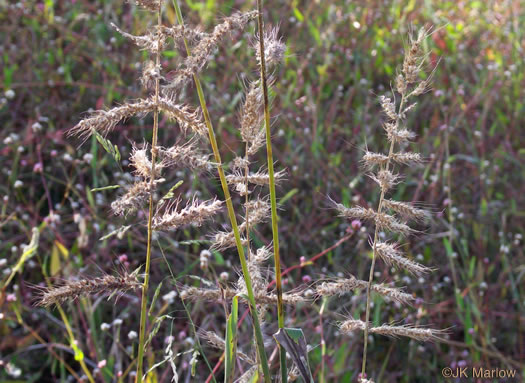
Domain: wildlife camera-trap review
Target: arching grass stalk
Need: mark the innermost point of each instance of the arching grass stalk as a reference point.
(144, 300)
(273, 199)
(231, 213)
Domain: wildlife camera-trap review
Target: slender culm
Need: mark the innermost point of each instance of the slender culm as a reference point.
(271, 172)
(390, 216)
(144, 301)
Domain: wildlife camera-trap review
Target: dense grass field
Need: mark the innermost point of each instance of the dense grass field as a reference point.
(61, 59)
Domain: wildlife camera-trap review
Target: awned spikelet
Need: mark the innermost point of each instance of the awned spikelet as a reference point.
(259, 178)
(140, 161)
(387, 222)
(407, 158)
(186, 117)
(194, 213)
(150, 74)
(392, 256)
(178, 33)
(395, 134)
(259, 211)
(274, 48)
(340, 286)
(346, 285)
(135, 198)
(186, 156)
(417, 333)
(151, 5)
(357, 212)
(103, 121)
(202, 52)
(406, 210)
(199, 294)
(72, 290)
(385, 179)
(217, 342)
(393, 294)
(152, 42)
(372, 159)
(251, 115)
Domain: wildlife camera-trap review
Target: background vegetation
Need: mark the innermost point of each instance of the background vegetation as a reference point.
(61, 58)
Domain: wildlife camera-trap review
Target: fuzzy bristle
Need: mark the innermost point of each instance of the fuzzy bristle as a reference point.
(274, 48)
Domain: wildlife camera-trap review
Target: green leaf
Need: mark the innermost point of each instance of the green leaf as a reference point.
(105, 188)
(170, 194)
(155, 297)
(294, 342)
(231, 342)
(107, 145)
(156, 328)
(29, 252)
(288, 195)
(118, 232)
